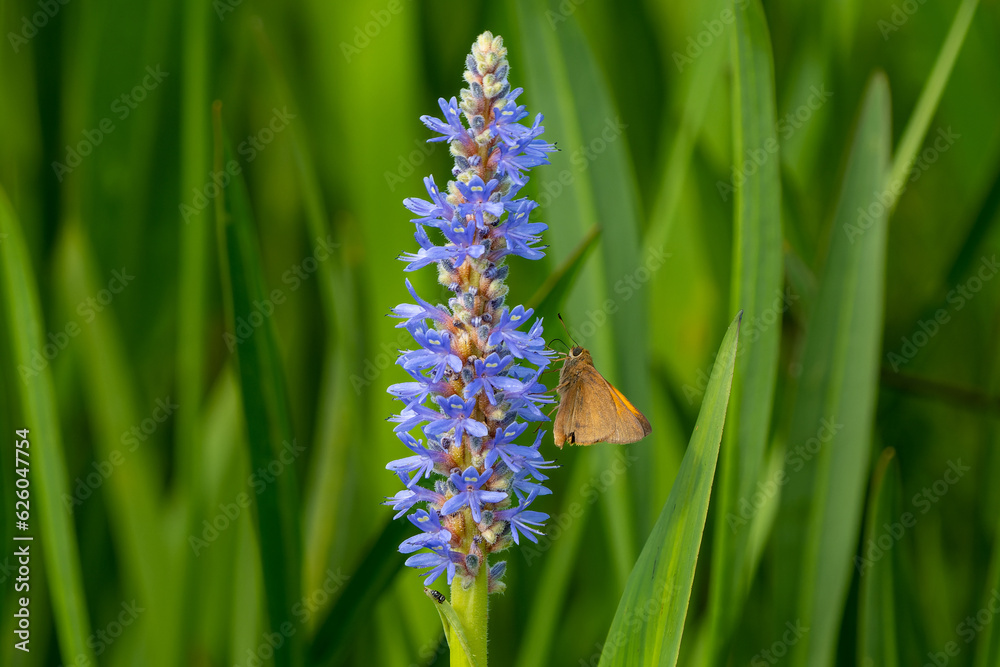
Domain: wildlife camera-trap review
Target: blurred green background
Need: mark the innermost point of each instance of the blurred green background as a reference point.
(122, 298)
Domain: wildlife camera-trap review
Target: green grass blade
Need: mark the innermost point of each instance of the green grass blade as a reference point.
(577, 115)
(557, 558)
(920, 119)
(371, 221)
(337, 414)
(329, 470)
(988, 642)
(649, 623)
(195, 236)
(549, 298)
(317, 217)
(378, 567)
(987, 650)
(756, 289)
(611, 180)
(877, 603)
(133, 494)
(571, 211)
(221, 477)
(265, 401)
(699, 82)
(822, 500)
(48, 472)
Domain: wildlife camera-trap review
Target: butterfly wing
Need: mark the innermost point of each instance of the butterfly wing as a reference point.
(630, 425)
(591, 411)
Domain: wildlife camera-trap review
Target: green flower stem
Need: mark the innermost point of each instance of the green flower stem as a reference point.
(471, 607)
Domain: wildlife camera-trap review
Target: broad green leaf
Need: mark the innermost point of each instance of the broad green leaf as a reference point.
(756, 289)
(54, 529)
(820, 517)
(877, 601)
(649, 623)
(265, 402)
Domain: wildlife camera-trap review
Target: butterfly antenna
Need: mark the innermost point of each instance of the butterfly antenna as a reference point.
(561, 341)
(559, 315)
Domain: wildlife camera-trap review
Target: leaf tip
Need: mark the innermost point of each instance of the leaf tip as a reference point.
(435, 595)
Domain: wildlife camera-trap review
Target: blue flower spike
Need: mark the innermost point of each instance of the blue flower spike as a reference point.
(476, 363)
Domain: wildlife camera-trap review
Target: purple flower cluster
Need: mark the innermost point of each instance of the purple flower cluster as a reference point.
(478, 362)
